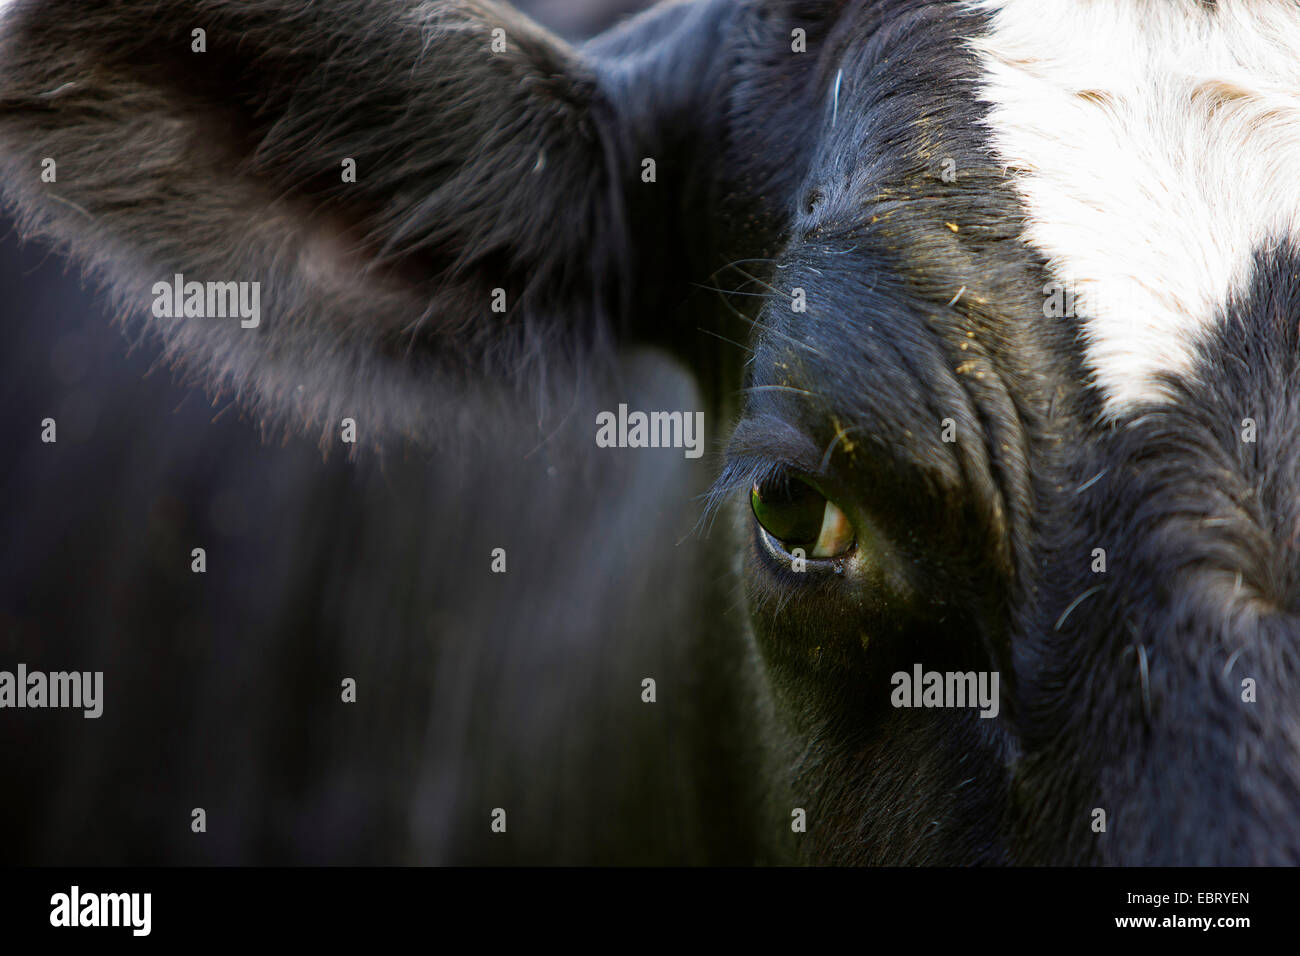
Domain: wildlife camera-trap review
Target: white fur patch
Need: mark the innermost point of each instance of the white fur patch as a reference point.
(1156, 146)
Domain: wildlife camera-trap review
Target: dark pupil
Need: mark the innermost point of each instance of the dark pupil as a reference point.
(790, 511)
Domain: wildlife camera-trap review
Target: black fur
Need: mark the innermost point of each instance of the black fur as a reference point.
(776, 170)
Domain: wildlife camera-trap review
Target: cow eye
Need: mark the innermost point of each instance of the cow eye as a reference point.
(797, 515)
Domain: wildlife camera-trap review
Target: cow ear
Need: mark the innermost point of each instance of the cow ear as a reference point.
(405, 195)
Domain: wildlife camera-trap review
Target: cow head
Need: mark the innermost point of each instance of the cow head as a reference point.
(1007, 331)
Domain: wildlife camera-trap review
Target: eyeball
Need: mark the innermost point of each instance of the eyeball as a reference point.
(797, 515)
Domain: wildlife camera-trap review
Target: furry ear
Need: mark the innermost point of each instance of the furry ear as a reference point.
(409, 195)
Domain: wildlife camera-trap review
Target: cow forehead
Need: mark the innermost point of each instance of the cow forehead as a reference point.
(1155, 148)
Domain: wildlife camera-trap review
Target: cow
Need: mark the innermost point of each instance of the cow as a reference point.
(989, 311)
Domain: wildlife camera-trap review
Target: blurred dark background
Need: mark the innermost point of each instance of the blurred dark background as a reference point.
(222, 690)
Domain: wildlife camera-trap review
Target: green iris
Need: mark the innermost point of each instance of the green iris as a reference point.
(792, 511)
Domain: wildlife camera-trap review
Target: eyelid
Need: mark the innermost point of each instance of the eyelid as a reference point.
(777, 552)
(781, 558)
(742, 474)
(774, 440)
(763, 448)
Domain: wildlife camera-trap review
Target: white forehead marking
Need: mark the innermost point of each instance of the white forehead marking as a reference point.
(1156, 146)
